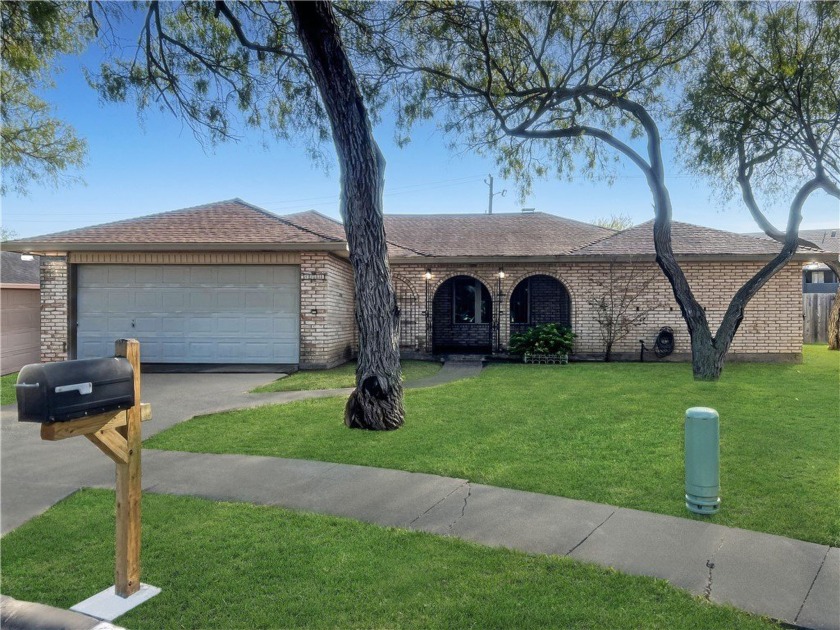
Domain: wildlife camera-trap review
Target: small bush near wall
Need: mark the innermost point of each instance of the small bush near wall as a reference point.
(543, 339)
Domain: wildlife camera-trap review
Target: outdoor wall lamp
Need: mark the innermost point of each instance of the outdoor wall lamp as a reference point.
(428, 274)
(501, 273)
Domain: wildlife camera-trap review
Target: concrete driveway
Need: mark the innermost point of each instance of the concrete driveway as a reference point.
(35, 474)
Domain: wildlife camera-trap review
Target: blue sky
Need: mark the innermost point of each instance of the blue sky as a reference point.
(141, 164)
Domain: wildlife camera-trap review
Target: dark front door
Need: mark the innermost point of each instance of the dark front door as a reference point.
(462, 312)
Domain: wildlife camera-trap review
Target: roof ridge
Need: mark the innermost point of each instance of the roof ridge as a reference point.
(411, 249)
(605, 238)
(341, 223)
(285, 221)
(146, 217)
(131, 219)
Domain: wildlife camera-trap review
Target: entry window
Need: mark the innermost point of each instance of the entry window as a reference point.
(519, 303)
(470, 302)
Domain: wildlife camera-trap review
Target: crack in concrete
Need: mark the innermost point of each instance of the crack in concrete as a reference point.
(814, 581)
(592, 532)
(707, 592)
(463, 508)
(710, 565)
(437, 503)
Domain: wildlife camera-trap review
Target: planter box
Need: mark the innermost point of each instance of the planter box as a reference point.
(555, 359)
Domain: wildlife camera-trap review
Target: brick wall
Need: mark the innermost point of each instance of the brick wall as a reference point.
(772, 325)
(53, 308)
(327, 319)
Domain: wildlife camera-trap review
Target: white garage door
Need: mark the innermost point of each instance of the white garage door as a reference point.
(191, 313)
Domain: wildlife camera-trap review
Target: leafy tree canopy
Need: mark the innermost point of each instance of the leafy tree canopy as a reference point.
(763, 109)
(219, 67)
(34, 145)
(505, 74)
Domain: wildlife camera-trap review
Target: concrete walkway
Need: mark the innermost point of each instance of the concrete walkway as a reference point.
(451, 371)
(790, 580)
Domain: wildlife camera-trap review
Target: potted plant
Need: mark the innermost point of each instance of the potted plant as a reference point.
(546, 343)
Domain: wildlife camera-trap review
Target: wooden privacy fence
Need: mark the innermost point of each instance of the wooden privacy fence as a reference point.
(815, 310)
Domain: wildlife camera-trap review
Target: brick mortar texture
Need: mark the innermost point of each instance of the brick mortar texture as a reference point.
(54, 324)
(328, 334)
(772, 322)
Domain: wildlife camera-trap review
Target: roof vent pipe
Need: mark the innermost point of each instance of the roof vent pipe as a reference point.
(530, 210)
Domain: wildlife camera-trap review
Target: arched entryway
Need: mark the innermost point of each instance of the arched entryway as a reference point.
(462, 316)
(539, 299)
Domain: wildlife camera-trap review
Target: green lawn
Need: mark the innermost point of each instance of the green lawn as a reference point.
(229, 565)
(610, 433)
(7, 389)
(342, 376)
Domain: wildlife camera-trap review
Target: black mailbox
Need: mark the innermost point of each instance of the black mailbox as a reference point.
(66, 390)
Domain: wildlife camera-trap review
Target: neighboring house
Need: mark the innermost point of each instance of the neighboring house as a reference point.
(229, 283)
(20, 311)
(817, 277)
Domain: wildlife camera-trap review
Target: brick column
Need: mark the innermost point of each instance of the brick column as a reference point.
(53, 308)
(327, 322)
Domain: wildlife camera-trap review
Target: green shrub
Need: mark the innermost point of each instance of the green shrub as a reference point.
(543, 339)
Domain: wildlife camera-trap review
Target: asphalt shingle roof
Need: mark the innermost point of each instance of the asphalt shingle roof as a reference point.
(686, 239)
(477, 235)
(14, 270)
(534, 234)
(827, 239)
(232, 221)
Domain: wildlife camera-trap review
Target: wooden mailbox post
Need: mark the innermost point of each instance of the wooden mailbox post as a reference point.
(117, 434)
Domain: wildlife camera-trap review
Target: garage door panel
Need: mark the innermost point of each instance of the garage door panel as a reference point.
(258, 299)
(229, 299)
(88, 348)
(229, 351)
(203, 276)
(200, 301)
(171, 324)
(285, 326)
(118, 325)
(230, 276)
(175, 274)
(173, 350)
(258, 276)
(258, 326)
(147, 301)
(120, 275)
(93, 323)
(285, 303)
(173, 300)
(146, 325)
(148, 274)
(191, 313)
(227, 325)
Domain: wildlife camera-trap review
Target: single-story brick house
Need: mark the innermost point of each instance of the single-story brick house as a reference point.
(230, 283)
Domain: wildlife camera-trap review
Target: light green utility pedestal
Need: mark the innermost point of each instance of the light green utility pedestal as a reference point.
(702, 460)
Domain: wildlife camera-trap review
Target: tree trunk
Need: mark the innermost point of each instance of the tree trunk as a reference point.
(608, 353)
(834, 323)
(707, 361)
(834, 314)
(377, 401)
